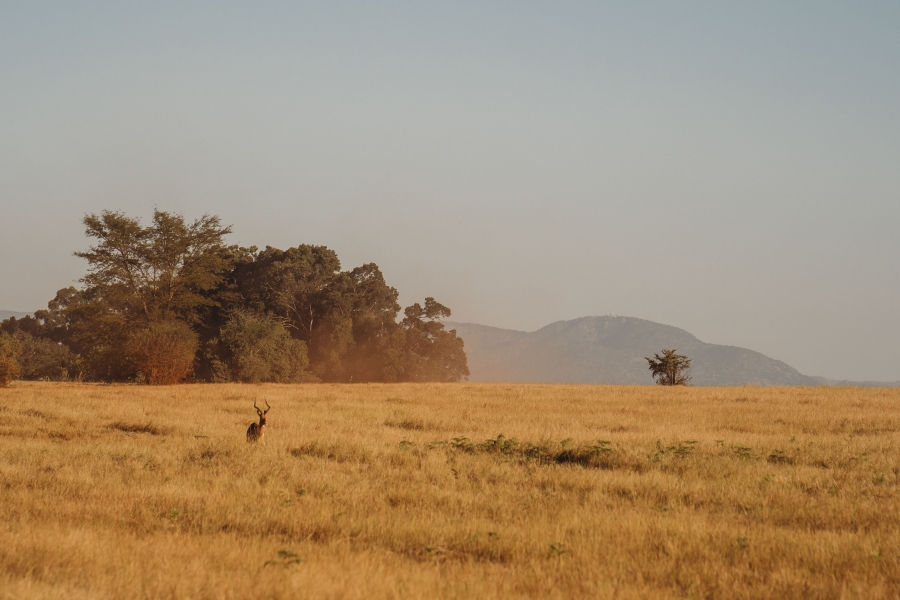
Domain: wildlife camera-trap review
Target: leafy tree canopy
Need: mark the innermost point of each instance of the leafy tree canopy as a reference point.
(156, 272)
(421, 350)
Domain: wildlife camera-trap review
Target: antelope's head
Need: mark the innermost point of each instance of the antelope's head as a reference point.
(262, 413)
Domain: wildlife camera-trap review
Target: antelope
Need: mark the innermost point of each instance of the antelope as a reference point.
(257, 431)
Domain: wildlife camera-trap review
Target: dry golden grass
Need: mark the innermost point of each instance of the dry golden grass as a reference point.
(390, 491)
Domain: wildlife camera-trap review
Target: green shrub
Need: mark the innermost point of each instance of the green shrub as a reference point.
(261, 349)
(164, 352)
(44, 359)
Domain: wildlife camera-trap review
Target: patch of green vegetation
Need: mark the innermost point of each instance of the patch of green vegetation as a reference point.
(587, 455)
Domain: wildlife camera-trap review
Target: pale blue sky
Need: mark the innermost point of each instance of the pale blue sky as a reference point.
(731, 169)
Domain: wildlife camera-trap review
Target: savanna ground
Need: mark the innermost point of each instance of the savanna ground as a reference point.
(409, 491)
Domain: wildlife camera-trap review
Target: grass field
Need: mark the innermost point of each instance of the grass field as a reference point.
(449, 491)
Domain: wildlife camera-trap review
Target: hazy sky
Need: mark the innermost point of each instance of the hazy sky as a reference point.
(732, 169)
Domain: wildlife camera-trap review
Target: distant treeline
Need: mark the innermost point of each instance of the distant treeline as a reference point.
(172, 302)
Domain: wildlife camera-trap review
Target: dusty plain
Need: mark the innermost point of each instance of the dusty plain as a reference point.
(449, 491)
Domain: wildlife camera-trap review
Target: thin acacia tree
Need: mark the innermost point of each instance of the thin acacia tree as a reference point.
(160, 272)
(145, 290)
(670, 368)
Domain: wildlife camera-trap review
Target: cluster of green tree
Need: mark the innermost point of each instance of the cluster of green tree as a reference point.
(171, 301)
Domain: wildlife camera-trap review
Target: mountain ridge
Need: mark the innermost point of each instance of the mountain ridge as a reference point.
(611, 349)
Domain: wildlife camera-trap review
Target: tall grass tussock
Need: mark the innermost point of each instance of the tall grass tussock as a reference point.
(449, 491)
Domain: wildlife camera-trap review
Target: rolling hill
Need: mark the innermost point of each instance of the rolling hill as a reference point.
(611, 350)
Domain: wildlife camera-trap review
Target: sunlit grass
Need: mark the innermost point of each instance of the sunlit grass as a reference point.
(475, 491)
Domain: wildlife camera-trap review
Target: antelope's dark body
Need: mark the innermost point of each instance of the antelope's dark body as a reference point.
(257, 431)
